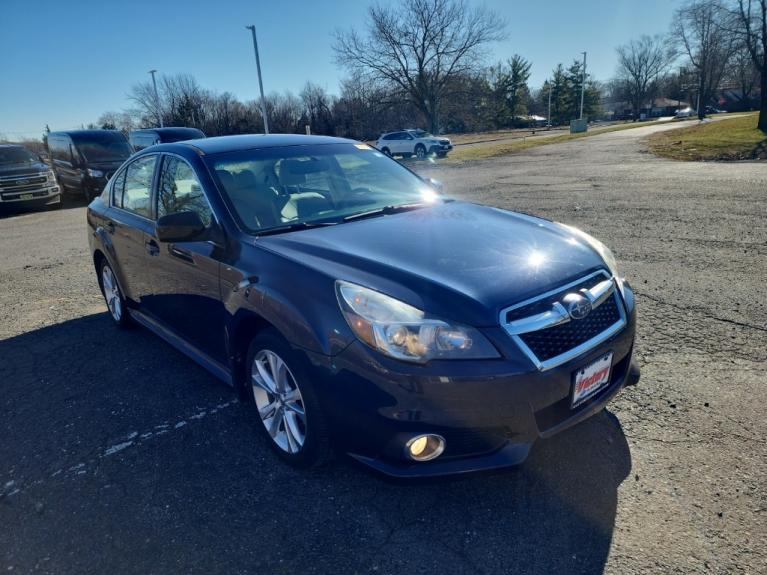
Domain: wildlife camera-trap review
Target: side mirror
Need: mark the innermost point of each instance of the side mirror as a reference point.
(436, 184)
(179, 227)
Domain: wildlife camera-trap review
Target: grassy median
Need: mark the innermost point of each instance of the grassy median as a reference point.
(729, 139)
(493, 149)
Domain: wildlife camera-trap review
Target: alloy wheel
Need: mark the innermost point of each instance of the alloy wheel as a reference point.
(111, 293)
(420, 152)
(279, 402)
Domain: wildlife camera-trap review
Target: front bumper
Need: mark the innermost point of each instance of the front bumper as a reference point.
(43, 196)
(441, 149)
(490, 412)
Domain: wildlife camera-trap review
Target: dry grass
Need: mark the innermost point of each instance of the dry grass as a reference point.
(494, 149)
(730, 139)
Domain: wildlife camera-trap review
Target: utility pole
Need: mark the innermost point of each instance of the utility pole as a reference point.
(583, 83)
(156, 98)
(260, 83)
(549, 116)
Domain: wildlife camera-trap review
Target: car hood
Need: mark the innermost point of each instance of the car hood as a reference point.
(22, 169)
(455, 260)
(110, 166)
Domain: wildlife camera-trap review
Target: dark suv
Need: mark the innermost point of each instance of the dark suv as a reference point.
(141, 139)
(85, 159)
(356, 307)
(25, 180)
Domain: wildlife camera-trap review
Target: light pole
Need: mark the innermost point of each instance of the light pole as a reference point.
(156, 98)
(549, 116)
(583, 83)
(260, 83)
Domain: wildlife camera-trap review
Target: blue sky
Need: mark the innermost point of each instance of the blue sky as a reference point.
(66, 62)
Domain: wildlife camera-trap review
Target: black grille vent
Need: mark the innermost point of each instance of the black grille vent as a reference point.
(554, 341)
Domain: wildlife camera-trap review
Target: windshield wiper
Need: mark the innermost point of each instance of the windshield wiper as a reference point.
(385, 210)
(293, 227)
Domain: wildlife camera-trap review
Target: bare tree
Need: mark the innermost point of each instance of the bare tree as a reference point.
(752, 16)
(701, 28)
(420, 45)
(641, 63)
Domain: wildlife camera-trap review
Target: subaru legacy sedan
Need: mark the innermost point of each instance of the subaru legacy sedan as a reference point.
(356, 307)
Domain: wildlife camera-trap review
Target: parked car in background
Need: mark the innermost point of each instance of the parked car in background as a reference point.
(685, 113)
(713, 110)
(417, 143)
(84, 160)
(141, 139)
(357, 308)
(25, 180)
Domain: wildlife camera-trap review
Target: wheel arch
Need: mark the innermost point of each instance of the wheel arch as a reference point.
(242, 330)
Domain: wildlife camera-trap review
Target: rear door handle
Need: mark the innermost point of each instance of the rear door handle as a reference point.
(152, 248)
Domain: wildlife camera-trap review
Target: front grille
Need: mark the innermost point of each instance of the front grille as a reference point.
(554, 341)
(19, 184)
(545, 303)
(549, 337)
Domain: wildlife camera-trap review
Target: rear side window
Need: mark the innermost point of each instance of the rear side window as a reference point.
(180, 190)
(117, 190)
(137, 191)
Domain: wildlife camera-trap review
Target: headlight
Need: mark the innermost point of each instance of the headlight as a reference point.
(401, 331)
(51, 176)
(95, 173)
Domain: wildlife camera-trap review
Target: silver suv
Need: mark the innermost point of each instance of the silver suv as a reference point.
(413, 142)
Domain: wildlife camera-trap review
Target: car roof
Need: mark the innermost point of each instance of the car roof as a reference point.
(223, 144)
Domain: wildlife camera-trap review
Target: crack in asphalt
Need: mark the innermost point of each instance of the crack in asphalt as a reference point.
(700, 311)
(131, 439)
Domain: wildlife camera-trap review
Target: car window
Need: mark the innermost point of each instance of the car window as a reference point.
(271, 187)
(117, 189)
(180, 190)
(137, 192)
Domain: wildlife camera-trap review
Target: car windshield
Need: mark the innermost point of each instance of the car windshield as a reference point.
(16, 156)
(104, 149)
(276, 187)
(421, 134)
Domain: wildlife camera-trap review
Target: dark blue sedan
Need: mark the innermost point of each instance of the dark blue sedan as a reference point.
(359, 309)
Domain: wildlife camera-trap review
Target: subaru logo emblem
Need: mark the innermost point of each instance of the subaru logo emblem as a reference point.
(577, 306)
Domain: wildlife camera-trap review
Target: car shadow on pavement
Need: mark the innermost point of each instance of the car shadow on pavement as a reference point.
(121, 455)
(68, 201)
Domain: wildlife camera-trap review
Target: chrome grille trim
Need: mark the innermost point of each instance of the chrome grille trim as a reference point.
(557, 315)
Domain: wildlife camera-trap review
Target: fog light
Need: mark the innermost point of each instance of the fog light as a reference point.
(425, 447)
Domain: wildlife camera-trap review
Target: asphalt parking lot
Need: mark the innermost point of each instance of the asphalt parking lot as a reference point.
(119, 455)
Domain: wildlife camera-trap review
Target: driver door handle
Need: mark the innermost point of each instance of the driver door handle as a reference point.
(152, 248)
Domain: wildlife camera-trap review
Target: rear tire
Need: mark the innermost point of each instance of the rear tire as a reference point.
(420, 151)
(386, 151)
(287, 408)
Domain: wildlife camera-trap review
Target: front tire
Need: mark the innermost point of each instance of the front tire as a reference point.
(286, 404)
(420, 152)
(113, 295)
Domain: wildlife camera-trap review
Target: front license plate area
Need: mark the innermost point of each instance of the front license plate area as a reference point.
(27, 196)
(590, 379)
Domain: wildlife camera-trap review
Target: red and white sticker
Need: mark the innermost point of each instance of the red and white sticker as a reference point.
(590, 379)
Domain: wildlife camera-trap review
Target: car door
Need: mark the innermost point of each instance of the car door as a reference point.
(61, 150)
(129, 218)
(405, 143)
(185, 275)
